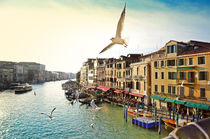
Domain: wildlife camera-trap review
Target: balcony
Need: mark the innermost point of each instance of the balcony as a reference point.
(140, 77)
(202, 98)
(186, 82)
(185, 67)
(128, 77)
(127, 89)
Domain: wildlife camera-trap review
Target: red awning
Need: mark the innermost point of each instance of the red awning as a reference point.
(125, 92)
(118, 91)
(137, 95)
(103, 88)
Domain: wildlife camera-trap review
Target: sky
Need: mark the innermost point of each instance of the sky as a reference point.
(62, 34)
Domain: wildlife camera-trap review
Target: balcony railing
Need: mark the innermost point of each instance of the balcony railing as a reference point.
(140, 77)
(128, 76)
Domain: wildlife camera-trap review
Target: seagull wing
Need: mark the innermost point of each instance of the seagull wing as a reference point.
(106, 48)
(45, 114)
(120, 23)
(52, 111)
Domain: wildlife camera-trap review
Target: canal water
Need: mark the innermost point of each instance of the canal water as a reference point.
(20, 117)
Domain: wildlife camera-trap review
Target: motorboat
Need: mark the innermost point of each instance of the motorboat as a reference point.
(23, 88)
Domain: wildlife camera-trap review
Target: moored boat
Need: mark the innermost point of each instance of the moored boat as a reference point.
(23, 88)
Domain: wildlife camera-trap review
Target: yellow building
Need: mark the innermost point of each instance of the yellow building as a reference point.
(180, 76)
(141, 77)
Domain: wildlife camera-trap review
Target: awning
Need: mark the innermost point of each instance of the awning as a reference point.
(191, 104)
(204, 106)
(169, 100)
(180, 102)
(92, 87)
(185, 68)
(157, 97)
(198, 105)
(137, 95)
(125, 92)
(118, 91)
(103, 88)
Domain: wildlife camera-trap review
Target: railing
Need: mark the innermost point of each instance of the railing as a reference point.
(128, 76)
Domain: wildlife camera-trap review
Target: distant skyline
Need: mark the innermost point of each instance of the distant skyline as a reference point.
(62, 34)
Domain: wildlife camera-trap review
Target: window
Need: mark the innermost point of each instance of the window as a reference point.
(202, 92)
(162, 89)
(201, 60)
(162, 63)
(182, 91)
(162, 75)
(203, 75)
(171, 49)
(182, 75)
(145, 70)
(191, 91)
(169, 89)
(137, 69)
(190, 61)
(156, 88)
(191, 76)
(156, 75)
(172, 75)
(181, 62)
(172, 90)
(171, 62)
(156, 64)
(137, 86)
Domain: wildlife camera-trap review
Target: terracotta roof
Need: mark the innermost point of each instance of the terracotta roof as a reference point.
(195, 47)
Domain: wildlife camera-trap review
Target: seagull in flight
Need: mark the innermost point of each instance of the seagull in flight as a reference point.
(118, 39)
(50, 116)
(92, 125)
